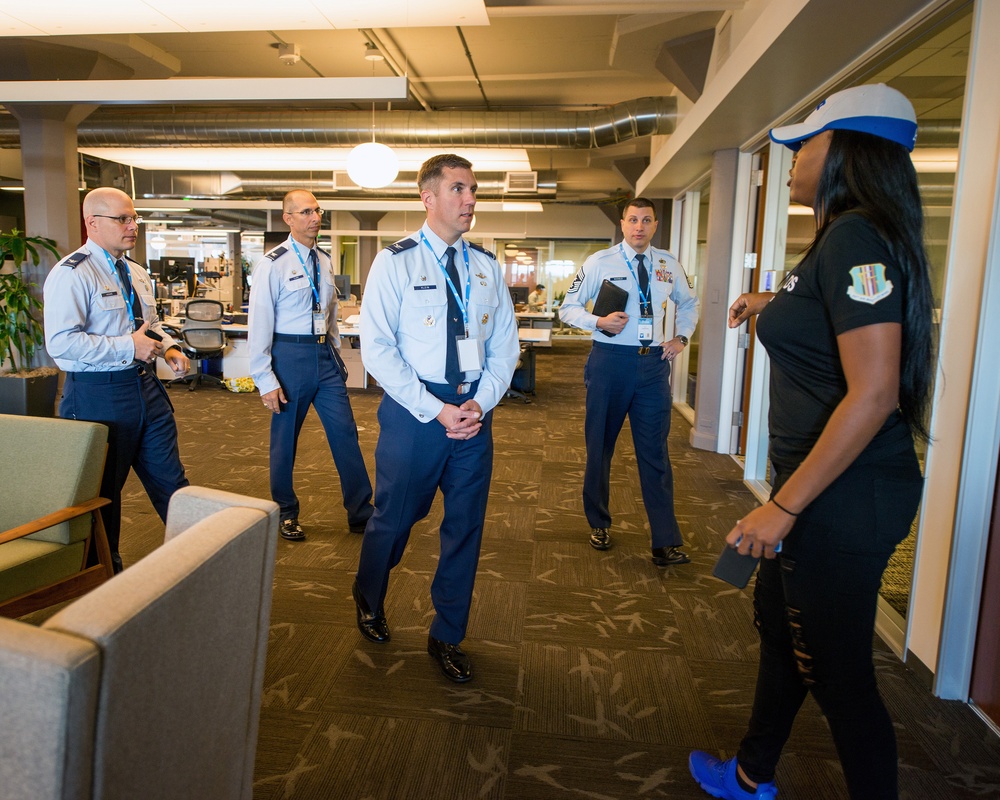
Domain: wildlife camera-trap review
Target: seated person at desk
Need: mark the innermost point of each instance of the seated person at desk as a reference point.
(295, 363)
(536, 300)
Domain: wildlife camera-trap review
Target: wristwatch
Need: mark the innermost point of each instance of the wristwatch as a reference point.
(682, 339)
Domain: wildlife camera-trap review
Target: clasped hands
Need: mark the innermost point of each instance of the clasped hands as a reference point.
(461, 422)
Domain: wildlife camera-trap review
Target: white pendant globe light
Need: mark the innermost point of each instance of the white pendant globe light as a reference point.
(372, 165)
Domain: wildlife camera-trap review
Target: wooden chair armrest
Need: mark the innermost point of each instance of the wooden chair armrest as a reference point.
(62, 515)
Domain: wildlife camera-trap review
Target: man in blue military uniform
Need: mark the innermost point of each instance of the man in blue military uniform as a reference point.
(438, 333)
(295, 363)
(628, 373)
(101, 328)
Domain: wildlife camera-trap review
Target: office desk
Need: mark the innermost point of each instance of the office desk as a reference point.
(536, 337)
(534, 319)
(236, 356)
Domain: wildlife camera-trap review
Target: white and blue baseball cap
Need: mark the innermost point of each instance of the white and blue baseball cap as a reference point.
(876, 109)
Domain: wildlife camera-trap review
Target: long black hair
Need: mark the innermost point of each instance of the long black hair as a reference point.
(874, 177)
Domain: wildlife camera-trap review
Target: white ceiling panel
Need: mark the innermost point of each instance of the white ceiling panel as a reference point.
(62, 17)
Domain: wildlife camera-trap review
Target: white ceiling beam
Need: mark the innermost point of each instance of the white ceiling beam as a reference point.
(579, 8)
(203, 90)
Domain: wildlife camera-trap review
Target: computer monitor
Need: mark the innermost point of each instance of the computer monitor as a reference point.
(519, 294)
(179, 269)
(356, 290)
(343, 284)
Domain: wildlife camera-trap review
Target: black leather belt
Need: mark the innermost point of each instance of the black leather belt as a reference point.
(301, 338)
(119, 375)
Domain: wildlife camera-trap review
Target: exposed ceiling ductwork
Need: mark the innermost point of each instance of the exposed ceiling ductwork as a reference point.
(252, 185)
(114, 127)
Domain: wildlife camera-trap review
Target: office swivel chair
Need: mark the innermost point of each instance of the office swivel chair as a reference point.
(202, 338)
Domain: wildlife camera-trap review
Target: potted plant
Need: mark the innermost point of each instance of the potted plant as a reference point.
(23, 389)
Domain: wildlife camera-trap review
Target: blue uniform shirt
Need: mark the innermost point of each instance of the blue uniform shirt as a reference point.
(87, 324)
(281, 301)
(404, 325)
(666, 281)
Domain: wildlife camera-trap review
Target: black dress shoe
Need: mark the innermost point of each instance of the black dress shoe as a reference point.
(600, 539)
(357, 527)
(372, 626)
(291, 530)
(454, 663)
(669, 556)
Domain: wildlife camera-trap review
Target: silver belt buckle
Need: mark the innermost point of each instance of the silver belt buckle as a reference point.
(643, 351)
(464, 388)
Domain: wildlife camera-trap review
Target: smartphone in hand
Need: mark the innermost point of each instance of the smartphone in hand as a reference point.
(734, 568)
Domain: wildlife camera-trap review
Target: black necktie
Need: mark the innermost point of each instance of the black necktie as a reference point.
(314, 260)
(456, 327)
(126, 280)
(643, 284)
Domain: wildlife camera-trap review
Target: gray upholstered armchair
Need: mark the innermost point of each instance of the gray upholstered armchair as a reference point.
(148, 687)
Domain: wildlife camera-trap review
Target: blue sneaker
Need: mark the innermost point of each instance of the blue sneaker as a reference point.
(718, 778)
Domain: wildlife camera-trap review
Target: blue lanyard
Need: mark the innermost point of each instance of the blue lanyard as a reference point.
(451, 286)
(121, 287)
(308, 272)
(643, 299)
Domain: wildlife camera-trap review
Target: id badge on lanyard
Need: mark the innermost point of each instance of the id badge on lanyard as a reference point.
(646, 330)
(319, 321)
(471, 353)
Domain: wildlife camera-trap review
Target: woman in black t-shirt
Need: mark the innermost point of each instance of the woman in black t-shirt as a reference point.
(849, 338)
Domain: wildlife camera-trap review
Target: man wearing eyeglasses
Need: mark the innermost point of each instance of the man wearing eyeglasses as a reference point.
(101, 327)
(295, 363)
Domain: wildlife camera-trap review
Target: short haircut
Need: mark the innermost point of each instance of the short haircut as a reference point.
(639, 202)
(432, 169)
(289, 199)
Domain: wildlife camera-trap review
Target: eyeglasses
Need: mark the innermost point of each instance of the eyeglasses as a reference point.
(308, 212)
(122, 219)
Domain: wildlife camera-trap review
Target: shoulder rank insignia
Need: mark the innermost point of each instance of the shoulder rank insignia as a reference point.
(74, 260)
(482, 249)
(401, 246)
(276, 253)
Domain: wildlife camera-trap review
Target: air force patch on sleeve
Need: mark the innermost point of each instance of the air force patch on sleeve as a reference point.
(869, 284)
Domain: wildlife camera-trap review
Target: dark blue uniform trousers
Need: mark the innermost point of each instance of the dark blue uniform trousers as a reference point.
(309, 377)
(619, 381)
(142, 435)
(413, 459)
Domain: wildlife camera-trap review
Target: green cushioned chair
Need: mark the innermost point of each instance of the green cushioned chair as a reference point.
(50, 479)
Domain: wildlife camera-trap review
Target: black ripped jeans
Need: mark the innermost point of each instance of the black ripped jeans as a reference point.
(815, 608)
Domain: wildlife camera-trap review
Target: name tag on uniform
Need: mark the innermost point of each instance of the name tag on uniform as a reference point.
(108, 294)
(646, 331)
(471, 354)
(319, 323)
(422, 288)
